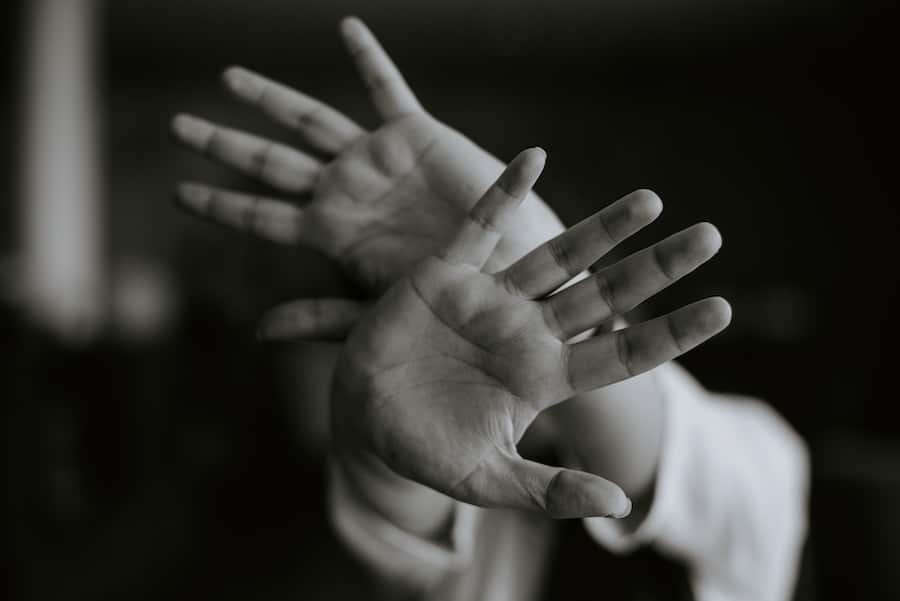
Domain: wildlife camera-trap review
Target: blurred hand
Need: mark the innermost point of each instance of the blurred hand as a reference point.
(441, 378)
(381, 201)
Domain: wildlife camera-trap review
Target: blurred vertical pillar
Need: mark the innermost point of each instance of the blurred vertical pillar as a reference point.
(62, 216)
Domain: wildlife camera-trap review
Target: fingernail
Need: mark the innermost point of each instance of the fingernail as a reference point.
(625, 511)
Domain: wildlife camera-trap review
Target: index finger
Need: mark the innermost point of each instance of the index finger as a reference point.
(481, 229)
(390, 93)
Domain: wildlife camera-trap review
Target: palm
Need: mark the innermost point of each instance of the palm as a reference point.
(384, 200)
(375, 207)
(442, 377)
(482, 364)
(393, 197)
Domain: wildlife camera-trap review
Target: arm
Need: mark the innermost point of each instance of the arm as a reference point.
(447, 171)
(440, 380)
(729, 495)
(732, 507)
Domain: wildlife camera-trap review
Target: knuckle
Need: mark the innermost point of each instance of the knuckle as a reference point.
(663, 261)
(606, 291)
(508, 279)
(308, 118)
(551, 317)
(483, 221)
(561, 256)
(552, 496)
(675, 334)
(625, 352)
(260, 159)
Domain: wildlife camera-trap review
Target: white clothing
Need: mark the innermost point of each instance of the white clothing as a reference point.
(729, 502)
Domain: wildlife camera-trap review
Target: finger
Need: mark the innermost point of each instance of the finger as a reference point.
(270, 219)
(618, 355)
(621, 287)
(390, 93)
(555, 262)
(275, 164)
(482, 227)
(311, 318)
(324, 128)
(510, 481)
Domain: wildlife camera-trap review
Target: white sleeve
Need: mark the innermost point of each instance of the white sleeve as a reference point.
(397, 558)
(730, 496)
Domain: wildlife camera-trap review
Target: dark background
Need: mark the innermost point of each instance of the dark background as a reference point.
(187, 464)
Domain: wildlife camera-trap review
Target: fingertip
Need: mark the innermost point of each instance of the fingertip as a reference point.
(577, 494)
(537, 156)
(620, 505)
(709, 236)
(626, 510)
(531, 163)
(351, 25)
(190, 194)
(714, 315)
(722, 308)
(187, 127)
(357, 37)
(646, 205)
(701, 241)
(234, 76)
(232, 70)
(179, 123)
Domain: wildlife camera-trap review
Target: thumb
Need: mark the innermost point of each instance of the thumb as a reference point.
(565, 493)
(511, 481)
(311, 318)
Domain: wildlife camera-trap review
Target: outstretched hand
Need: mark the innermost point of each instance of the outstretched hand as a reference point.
(381, 200)
(442, 377)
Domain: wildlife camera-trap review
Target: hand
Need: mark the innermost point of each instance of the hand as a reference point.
(440, 380)
(381, 201)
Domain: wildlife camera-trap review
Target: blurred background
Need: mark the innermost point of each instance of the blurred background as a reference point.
(155, 450)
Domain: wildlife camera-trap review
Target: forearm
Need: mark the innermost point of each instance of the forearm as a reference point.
(727, 495)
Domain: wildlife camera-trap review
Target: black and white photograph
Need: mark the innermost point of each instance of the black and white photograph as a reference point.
(456, 300)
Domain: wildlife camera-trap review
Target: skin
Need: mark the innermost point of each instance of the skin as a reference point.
(443, 376)
(385, 198)
(383, 201)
